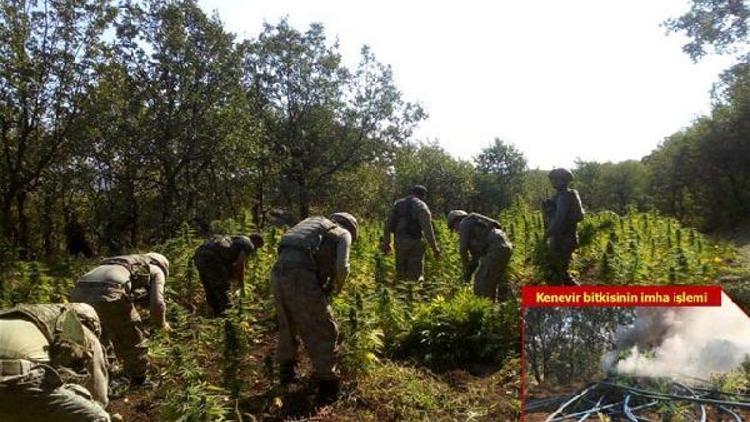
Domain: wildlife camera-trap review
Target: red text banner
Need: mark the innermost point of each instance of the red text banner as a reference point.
(651, 296)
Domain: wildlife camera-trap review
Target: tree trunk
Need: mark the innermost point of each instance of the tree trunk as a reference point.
(23, 226)
(304, 199)
(48, 225)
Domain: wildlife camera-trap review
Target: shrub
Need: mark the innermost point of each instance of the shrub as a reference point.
(462, 331)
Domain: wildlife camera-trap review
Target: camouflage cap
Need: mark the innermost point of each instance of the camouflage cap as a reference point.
(561, 173)
(347, 221)
(455, 217)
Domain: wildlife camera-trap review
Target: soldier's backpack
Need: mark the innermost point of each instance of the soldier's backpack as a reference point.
(404, 221)
(483, 220)
(63, 330)
(221, 247)
(310, 236)
(138, 267)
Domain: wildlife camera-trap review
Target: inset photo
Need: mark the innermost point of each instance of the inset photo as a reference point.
(637, 364)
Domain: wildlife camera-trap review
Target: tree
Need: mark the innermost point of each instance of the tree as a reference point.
(195, 124)
(501, 169)
(320, 117)
(49, 51)
(612, 186)
(718, 25)
(450, 181)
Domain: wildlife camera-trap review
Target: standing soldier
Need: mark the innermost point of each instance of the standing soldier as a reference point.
(409, 220)
(562, 213)
(219, 260)
(490, 250)
(52, 366)
(313, 263)
(112, 288)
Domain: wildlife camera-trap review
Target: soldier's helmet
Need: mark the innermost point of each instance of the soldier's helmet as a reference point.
(455, 217)
(347, 221)
(160, 261)
(562, 174)
(418, 190)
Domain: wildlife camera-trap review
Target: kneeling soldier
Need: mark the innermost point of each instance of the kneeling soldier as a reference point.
(313, 262)
(112, 288)
(221, 259)
(490, 252)
(52, 366)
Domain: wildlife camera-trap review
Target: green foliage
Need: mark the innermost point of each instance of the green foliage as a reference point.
(501, 169)
(459, 332)
(713, 26)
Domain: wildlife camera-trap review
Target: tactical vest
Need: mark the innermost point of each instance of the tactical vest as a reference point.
(312, 236)
(222, 247)
(308, 235)
(480, 228)
(404, 222)
(137, 265)
(63, 330)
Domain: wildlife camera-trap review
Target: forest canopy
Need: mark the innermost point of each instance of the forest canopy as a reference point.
(128, 121)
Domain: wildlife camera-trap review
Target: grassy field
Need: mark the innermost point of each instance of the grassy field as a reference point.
(409, 351)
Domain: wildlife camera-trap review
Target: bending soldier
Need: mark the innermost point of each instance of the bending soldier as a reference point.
(484, 248)
(221, 259)
(410, 220)
(52, 366)
(562, 213)
(112, 288)
(313, 262)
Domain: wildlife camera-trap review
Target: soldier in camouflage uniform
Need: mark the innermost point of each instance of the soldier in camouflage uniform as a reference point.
(562, 213)
(221, 259)
(313, 263)
(112, 288)
(483, 247)
(410, 220)
(52, 366)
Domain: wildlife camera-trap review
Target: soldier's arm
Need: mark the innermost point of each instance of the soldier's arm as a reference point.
(342, 262)
(238, 268)
(562, 207)
(467, 262)
(157, 306)
(425, 222)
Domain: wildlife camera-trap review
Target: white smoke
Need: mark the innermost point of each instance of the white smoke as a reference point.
(679, 342)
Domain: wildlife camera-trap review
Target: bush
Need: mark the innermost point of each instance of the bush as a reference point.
(465, 330)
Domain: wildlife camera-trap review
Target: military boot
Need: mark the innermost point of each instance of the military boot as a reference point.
(288, 374)
(328, 391)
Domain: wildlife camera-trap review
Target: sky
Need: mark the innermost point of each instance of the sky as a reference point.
(560, 80)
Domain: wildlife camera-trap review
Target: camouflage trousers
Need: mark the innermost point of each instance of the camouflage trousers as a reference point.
(120, 323)
(489, 280)
(409, 258)
(302, 309)
(41, 396)
(561, 252)
(216, 279)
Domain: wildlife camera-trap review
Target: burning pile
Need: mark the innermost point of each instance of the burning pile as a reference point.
(681, 342)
